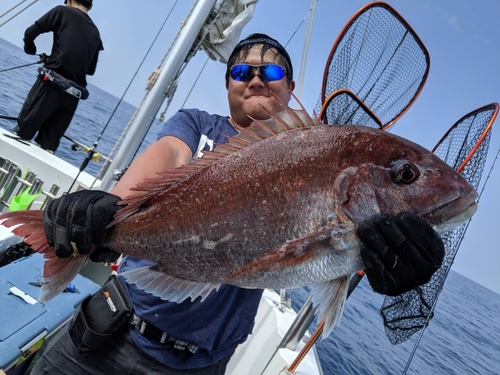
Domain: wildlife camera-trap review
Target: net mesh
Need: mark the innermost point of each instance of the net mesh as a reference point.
(381, 61)
(345, 108)
(407, 313)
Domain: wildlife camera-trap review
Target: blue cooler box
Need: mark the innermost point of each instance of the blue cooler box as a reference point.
(24, 321)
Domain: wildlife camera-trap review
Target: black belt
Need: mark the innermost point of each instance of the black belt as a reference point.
(152, 332)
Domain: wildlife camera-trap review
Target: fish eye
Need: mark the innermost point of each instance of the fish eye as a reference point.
(407, 173)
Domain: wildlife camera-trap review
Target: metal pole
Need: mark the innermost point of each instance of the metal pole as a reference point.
(156, 96)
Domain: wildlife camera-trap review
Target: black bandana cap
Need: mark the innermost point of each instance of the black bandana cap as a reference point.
(263, 39)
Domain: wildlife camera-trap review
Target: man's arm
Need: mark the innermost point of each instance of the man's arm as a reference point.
(167, 152)
(93, 66)
(81, 218)
(30, 35)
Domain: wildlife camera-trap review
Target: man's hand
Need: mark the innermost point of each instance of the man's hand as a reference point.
(400, 253)
(29, 47)
(75, 222)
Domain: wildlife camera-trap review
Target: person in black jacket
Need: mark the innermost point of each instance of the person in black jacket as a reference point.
(53, 99)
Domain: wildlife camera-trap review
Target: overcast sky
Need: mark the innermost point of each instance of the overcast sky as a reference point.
(460, 35)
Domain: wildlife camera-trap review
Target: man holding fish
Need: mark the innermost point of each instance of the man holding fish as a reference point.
(168, 333)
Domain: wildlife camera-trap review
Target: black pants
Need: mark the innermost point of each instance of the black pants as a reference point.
(48, 111)
(119, 356)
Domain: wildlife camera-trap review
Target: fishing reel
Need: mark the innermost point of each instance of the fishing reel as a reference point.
(43, 57)
(95, 157)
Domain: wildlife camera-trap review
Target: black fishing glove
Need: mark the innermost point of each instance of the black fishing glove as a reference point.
(81, 218)
(400, 253)
(30, 35)
(29, 47)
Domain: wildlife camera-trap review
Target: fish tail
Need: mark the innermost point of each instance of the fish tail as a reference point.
(29, 225)
(57, 272)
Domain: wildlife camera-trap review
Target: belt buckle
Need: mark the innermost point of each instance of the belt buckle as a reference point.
(141, 326)
(164, 337)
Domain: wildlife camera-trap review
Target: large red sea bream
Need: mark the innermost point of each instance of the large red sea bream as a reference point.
(278, 206)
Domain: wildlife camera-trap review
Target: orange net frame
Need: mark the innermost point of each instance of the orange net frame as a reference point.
(377, 62)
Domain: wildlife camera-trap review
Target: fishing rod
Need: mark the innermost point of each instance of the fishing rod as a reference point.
(20, 66)
(8, 118)
(11, 9)
(76, 146)
(43, 57)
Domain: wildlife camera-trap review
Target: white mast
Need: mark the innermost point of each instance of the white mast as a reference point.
(305, 50)
(155, 98)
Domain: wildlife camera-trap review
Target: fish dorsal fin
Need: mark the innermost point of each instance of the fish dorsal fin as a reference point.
(280, 122)
(286, 120)
(166, 287)
(151, 187)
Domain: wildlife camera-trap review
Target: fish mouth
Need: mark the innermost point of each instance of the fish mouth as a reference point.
(453, 213)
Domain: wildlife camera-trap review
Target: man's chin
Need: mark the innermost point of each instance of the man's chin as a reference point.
(259, 109)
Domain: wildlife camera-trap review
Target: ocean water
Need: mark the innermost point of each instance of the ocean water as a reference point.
(463, 338)
(92, 118)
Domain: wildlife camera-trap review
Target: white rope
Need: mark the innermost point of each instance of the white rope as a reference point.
(18, 13)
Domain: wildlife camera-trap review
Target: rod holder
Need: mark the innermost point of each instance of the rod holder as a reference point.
(36, 186)
(9, 183)
(50, 195)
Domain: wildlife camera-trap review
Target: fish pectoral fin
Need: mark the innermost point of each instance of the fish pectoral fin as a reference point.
(288, 254)
(329, 299)
(166, 287)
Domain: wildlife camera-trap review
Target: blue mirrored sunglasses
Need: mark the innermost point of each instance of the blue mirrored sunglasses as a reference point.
(267, 72)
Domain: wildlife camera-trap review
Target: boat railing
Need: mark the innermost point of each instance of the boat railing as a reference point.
(13, 185)
(299, 327)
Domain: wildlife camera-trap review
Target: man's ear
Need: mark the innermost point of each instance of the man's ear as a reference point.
(291, 85)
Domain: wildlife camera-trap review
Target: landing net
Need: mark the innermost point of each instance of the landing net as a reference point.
(465, 148)
(377, 60)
